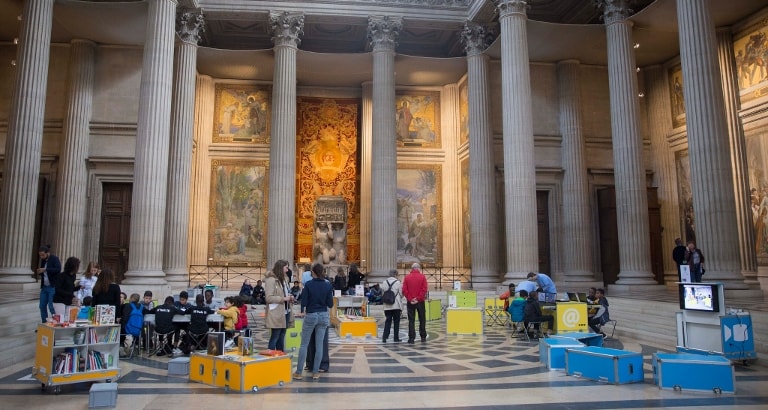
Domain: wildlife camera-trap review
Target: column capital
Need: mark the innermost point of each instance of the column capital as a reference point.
(476, 37)
(190, 25)
(614, 11)
(507, 7)
(286, 28)
(382, 31)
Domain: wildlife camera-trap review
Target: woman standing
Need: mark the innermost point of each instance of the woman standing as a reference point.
(395, 310)
(107, 292)
(65, 288)
(316, 300)
(88, 281)
(279, 301)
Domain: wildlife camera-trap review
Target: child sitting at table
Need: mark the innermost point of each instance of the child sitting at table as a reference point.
(230, 313)
(164, 324)
(198, 326)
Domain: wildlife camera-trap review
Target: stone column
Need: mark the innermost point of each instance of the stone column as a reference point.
(201, 171)
(629, 171)
(519, 166)
(577, 216)
(711, 167)
(382, 32)
(281, 221)
(145, 259)
(71, 198)
(189, 27)
(366, 130)
(23, 146)
(732, 103)
(663, 164)
(482, 195)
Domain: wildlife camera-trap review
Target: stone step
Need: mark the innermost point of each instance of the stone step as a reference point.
(17, 349)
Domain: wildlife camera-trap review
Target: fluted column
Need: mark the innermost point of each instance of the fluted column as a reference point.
(577, 217)
(482, 195)
(366, 130)
(711, 173)
(629, 172)
(145, 260)
(382, 32)
(663, 164)
(281, 229)
(732, 102)
(23, 145)
(71, 198)
(189, 27)
(201, 170)
(519, 166)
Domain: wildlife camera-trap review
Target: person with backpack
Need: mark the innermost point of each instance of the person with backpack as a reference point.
(133, 322)
(393, 305)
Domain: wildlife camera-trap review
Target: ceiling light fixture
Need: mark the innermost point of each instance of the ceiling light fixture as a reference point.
(637, 45)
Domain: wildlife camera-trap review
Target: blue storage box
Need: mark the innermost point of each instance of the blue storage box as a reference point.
(552, 350)
(696, 372)
(589, 339)
(604, 364)
(178, 366)
(102, 395)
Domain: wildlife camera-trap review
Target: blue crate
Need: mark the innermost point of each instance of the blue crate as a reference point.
(693, 372)
(589, 339)
(552, 351)
(102, 395)
(604, 364)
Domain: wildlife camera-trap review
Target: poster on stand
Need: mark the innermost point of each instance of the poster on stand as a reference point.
(685, 274)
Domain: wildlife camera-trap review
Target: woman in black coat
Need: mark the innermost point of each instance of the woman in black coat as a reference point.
(65, 286)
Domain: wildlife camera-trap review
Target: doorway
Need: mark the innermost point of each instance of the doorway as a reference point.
(542, 223)
(115, 234)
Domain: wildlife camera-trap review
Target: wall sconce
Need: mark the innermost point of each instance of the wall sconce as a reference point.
(637, 70)
(641, 94)
(13, 63)
(15, 40)
(636, 46)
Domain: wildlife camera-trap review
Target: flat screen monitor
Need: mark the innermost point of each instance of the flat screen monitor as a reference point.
(547, 297)
(573, 297)
(699, 296)
(582, 297)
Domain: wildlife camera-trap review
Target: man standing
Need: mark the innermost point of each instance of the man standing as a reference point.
(415, 291)
(545, 282)
(678, 255)
(50, 267)
(695, 260)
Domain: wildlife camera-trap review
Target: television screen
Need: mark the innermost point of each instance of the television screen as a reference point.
(547, 297)
(699, 296)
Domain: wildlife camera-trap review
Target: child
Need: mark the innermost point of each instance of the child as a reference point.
(296, 290)
(230, 313)
(164, 324)
(147, 303)
(198, 325)
(85, 310)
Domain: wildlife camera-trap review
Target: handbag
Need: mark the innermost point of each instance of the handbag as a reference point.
(290, 321)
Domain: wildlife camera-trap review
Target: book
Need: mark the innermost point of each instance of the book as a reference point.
(246, 345)
(215, 343)
(105, 314)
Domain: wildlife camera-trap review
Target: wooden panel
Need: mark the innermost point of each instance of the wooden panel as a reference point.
(115, 227)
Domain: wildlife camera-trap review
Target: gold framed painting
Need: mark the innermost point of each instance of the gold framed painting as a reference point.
(419, 214)
(242, 113)
(749, 53)
(417, 119)
(238, 211)
(676, 96)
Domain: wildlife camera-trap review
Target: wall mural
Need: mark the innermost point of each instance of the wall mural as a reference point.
(463, 113)
(751, 54)
(417, 119)
(677, 98)
(419, 214)
(238, 213)
(242, 113)
(757, 166)
(685, 193)
(465, 214)
(327, 136)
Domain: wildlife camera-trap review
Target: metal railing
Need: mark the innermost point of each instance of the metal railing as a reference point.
(439, 276)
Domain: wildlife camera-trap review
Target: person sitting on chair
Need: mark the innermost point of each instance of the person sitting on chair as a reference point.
(601, 316)
(510, 293)
(198, 325)
(532, 313)
(374, 294)
(164, 324)
(517, 307)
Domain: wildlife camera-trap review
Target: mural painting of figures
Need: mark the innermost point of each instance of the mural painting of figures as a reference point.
(241, 113)
(750, 49)
(237, 219)
(685, 193)
(417, 120)
(757, 165)
(419, 225)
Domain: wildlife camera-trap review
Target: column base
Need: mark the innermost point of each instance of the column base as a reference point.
(738, 294)
(578, 286)
(16, 276)
(21, 287)
(177, 278)
(159, 292)
(515, 277)
(617, 289)
(145, 277)
(636, 278)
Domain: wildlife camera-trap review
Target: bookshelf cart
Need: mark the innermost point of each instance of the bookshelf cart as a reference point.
(66, 355)
(349, 316)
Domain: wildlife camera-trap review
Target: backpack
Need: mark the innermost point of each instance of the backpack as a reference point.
(135, 321)
(388, 297)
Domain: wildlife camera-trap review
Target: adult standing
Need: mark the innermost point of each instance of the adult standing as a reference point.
(545, 282)
(415, 291)
(340, 281)
(88, 281)
(48, 272)
(678, 255)
(317, 299)
(355, 277)
(394, 311)
(65, 288)
(107, 292)
(278, 304)
(695, 260)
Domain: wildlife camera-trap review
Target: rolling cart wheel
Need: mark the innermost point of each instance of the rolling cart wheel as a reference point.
(717, 390)
(42, 386)
(745, 362)
(677, 387)
(281, 383)
(109, 380)
(255, 388)
(56, 390)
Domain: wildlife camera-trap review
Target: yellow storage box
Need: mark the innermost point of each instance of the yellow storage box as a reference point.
(464, 321)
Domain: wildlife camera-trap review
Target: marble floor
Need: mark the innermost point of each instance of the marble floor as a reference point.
(490, 371)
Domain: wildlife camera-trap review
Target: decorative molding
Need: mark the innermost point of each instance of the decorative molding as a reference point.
(382, 31)
(614, 11)
(476, 37)
(286, 28)
(190, 25)
(507, 7)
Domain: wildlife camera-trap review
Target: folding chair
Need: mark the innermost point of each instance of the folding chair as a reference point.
(527, 328)
(163, 343)
(492, 313)
(133, 348)
(612, 325)
(196, 341)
